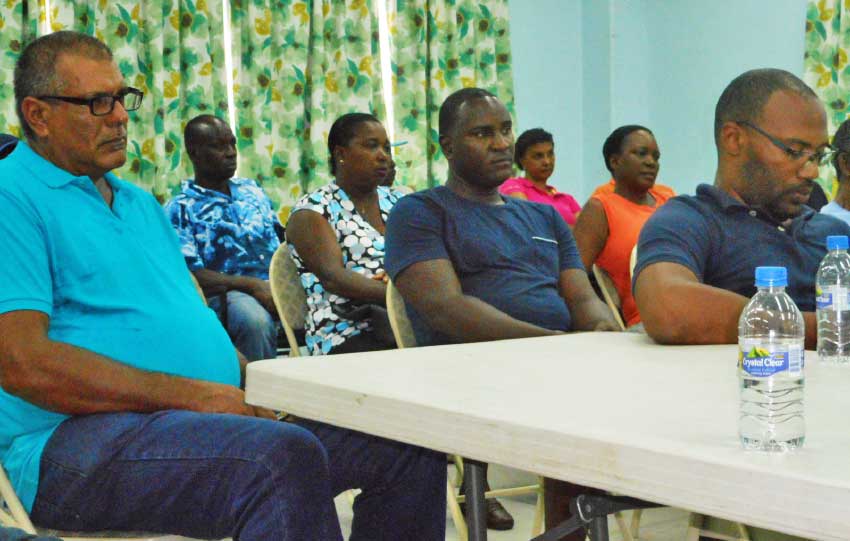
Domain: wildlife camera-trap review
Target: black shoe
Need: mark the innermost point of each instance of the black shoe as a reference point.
(498, 517)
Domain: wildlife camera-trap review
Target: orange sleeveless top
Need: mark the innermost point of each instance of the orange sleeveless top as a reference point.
(625, 220)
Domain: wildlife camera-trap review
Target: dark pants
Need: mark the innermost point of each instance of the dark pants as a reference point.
(556, 499)
(215, 476)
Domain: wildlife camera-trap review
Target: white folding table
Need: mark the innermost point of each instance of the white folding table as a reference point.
(609, 410)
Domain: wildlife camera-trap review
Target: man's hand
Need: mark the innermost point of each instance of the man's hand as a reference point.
(227, 399)
(262, 291)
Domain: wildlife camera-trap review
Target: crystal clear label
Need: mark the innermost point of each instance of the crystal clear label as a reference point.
(833, 298)
(761, 360)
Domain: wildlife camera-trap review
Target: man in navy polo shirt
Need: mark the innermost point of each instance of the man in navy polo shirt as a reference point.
(474, 266)
(697, 255)
(121, 406)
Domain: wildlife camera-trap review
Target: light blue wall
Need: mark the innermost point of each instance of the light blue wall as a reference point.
(548, 73)
(662, 63)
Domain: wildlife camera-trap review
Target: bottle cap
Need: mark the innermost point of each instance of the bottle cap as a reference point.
(771, 277)
(837, 242)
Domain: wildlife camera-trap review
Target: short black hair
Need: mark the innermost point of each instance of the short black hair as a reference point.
(343, 130)
(193, 129)
(841, 144)
(614, 143)
(448, 110)
(530, 138)
(35, 71)
(745, 97)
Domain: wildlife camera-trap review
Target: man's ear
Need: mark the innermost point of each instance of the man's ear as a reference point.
(446, 145)
(37, 115)
(730, 140)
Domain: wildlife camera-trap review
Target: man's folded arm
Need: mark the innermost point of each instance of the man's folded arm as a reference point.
(71, 380)
(433, 289)
(676, 308)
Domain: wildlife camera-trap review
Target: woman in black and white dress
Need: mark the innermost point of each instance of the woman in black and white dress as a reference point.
(336, 237)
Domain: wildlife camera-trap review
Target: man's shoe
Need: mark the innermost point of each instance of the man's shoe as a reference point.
(498, 517)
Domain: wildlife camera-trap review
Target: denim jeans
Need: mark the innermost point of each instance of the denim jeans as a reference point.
(251, 328)
(214, 476)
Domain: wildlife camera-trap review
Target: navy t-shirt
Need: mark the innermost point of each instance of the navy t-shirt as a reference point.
(722, 241)
(509, 256)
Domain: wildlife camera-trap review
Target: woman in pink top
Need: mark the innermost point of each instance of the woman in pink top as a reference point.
(534, 153)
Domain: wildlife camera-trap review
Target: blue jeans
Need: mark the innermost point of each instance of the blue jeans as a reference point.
(213, 476)
(251, 328)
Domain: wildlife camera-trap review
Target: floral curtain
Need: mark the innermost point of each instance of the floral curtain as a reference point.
(298, 66)
(826, 68)
(173, 51)
(439, 46)
(18, 26)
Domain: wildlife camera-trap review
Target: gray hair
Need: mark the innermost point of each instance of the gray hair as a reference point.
(35, 71)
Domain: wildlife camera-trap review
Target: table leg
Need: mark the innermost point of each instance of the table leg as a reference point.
(599, 528)
(476, 510)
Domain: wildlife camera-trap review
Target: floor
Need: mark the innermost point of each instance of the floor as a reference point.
(662, 524)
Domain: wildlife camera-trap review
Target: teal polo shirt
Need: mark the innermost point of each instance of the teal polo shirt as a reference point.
(112, 281)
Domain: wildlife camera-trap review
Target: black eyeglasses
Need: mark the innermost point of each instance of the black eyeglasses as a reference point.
(818, 157)
(129, 98)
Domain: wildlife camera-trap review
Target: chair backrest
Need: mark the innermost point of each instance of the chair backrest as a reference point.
(609, 293)
(400, 323)
(289, 296)
(633, 260)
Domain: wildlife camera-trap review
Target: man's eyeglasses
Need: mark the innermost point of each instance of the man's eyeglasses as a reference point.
(129, 98)
(818, 157)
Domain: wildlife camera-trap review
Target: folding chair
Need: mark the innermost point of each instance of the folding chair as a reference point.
(404, 337)
(609, 293)
(13, 515)
(289, 297)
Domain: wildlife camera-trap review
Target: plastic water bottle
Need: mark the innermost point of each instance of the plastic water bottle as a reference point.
(832, 287)
(770, 367)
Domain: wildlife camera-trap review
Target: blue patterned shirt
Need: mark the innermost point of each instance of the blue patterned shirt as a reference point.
(235, 234)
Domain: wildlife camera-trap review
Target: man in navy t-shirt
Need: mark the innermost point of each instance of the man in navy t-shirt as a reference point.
(475, 266)
(697, 255)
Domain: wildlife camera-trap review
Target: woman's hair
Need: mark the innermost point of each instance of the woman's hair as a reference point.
(343, 130)
(614, 143)
(529, 138)
(841, 144)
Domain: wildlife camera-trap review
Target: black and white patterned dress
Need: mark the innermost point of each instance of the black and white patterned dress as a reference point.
(362, 252)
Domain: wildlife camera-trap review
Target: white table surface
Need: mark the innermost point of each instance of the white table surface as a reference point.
(609, 410)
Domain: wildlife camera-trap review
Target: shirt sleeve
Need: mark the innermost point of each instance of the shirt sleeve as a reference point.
(414, 234)
(573, 204)
(675, 233)
(570, 258)
(26, 282)
(182, 223)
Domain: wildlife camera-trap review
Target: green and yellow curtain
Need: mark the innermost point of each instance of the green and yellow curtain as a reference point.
(826, 67)
(438, 47)
(18, 26)
(298, 66)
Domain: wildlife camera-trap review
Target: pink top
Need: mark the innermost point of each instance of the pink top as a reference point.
(564, 203)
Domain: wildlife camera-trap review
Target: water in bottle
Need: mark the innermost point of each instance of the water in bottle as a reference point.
(832, 287)
(770, 367)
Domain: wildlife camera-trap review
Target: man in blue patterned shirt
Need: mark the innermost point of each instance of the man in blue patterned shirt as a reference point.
(228, 233)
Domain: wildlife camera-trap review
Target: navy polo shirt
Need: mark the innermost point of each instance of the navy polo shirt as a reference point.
(722, 241)
(112, 280)
(509, 256)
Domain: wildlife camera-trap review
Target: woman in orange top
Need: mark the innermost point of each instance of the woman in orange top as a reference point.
(611, 220)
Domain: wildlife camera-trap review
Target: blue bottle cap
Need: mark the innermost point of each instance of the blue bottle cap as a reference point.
(837, 242)
(771, 277)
